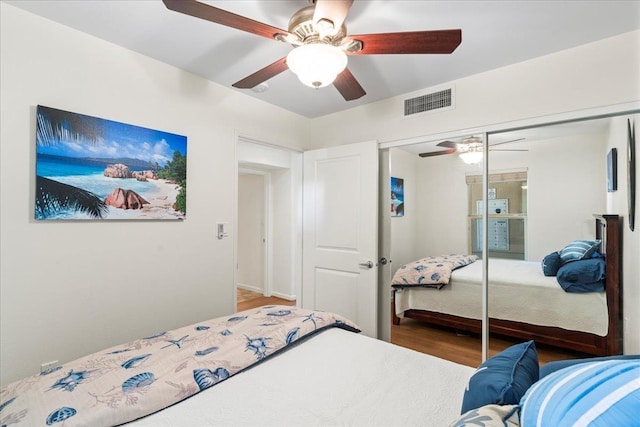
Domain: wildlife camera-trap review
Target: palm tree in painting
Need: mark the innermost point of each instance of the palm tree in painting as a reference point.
(51, 196)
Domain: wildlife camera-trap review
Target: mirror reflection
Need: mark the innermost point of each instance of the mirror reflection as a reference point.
(545, 185)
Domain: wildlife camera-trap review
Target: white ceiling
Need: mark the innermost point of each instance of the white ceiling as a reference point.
(494, 34)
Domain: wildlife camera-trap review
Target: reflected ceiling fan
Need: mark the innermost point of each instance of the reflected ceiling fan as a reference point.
(469, 148)
(321, 43)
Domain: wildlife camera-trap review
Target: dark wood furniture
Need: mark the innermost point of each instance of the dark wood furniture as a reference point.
(608, 229)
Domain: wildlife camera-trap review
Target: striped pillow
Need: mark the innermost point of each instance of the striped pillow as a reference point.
(579, 249)
(591, 394)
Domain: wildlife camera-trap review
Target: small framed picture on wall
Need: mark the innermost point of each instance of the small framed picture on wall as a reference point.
(612, 170)
(397, 196)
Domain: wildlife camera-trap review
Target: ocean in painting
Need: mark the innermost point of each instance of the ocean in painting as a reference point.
(89, 175)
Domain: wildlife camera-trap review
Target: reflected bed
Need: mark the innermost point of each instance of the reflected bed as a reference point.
(523, 303)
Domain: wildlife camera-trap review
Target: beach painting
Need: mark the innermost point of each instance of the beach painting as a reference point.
(88, 168)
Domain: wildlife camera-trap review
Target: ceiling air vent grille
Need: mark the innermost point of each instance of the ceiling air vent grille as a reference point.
(429, 102)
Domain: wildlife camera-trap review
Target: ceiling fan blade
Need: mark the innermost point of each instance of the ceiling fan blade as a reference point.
(439, 41)
(449, 144)
(210, 13)
(333, 11)
(506, 142)
(262, 75)
(438, 153)
(348, 86)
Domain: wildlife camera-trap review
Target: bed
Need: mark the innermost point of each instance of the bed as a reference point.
(525, 304)
(274, 365)
(287, 366)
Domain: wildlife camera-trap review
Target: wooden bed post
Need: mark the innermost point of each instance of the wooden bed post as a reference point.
(608, 231)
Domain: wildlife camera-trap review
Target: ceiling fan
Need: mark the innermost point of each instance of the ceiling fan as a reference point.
(469, 148)
(321, 43)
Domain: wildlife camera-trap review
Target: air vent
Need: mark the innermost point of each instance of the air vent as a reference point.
(429, 102)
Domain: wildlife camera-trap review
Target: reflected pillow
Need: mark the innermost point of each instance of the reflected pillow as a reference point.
(504, 378)
(597, 394)
(586, 275)
(579, 249)
(551, 263)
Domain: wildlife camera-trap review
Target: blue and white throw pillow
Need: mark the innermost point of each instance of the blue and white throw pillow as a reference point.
(504, 378)
(489, 416)
(594, 394)
(579, 249)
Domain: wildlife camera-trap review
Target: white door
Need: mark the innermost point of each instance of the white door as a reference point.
(340, 232)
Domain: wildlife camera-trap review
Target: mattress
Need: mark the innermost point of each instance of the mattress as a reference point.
(518, 291)
(334, 378)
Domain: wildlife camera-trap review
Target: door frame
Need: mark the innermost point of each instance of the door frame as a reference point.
(256, 154)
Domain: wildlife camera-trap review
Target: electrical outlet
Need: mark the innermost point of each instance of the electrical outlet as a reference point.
(49, 366)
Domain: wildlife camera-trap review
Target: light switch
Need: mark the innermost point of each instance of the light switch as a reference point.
(222, 226)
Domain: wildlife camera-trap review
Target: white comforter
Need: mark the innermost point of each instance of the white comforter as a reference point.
(334, 378)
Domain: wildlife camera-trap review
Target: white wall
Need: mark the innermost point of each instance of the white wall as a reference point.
(617, 203)
(72, 288)
(443, 205)
(593, 75)
(403, 229)
(251, 232)
(567, 184)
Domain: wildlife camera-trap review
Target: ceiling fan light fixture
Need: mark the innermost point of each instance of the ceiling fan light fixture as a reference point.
(471, 157)
(317, 64)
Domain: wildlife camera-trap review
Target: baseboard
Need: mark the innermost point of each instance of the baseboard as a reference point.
(283, 296)
(259, 290)
(249, 288)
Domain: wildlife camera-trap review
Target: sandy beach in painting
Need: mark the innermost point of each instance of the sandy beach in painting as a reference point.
(161, 199)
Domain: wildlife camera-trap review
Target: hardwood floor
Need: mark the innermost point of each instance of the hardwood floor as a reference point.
(247, 300)
(440, 342)
(464, 349)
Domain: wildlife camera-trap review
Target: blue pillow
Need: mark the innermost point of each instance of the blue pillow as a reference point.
(504, 378)
(597, 394)
(579, 249)
(551, 263)
(581, 276)
(556, 365)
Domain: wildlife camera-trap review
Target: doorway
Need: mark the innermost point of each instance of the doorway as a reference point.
(268, 242)
(253, 219)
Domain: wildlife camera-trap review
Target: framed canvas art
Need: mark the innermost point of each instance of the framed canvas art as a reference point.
(89, 168)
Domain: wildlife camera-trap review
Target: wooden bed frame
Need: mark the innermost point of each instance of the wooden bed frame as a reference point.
(608, 229)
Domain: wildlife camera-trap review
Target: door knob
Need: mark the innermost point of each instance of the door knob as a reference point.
(368, 264)
(383, 261)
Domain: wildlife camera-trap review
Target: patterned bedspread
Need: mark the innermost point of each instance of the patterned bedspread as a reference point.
(127, 382)
(430, 272)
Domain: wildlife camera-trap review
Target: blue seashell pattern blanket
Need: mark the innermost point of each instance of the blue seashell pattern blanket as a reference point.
(430, 272)
(130, 381)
